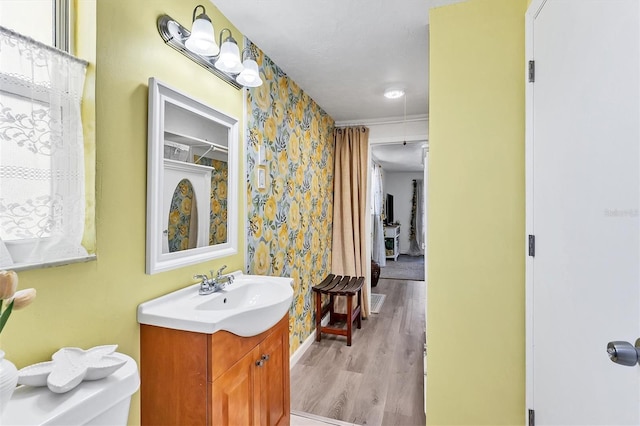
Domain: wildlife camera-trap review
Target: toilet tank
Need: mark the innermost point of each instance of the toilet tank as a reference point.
(99, 402)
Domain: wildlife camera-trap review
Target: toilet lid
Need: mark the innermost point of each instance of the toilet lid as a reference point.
(39, 406)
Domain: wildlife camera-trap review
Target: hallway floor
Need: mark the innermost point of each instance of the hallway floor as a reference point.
(379, 379)
(405, 268)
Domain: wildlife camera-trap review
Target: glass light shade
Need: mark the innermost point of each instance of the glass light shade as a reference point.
(229, 59)
(250, 75)
(202, 39)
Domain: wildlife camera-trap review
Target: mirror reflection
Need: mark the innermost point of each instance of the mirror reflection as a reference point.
(183, 225)
(183, 209)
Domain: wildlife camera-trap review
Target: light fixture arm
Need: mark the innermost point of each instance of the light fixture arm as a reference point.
(250, 56)
(203, 15)
(230, 38)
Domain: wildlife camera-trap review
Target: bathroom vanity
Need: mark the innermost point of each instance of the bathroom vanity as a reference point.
(217, 359)
(214, 379)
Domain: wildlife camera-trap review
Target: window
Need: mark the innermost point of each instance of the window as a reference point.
(42, 196)
(47, 21)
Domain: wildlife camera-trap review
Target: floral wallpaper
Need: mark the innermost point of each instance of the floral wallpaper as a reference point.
(218, 210)
(290, 219)
(181, 205)
(180, 216)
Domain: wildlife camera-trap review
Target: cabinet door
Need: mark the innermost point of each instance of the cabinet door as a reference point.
(274, 378)
(235, 398)
(173, 377)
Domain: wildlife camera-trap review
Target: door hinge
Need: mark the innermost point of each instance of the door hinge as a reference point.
(532, 71)
(532, 245)
(532, 418)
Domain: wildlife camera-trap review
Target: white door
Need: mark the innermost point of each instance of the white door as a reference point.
(583, 187)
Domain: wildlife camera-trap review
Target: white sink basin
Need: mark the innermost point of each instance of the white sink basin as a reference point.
(250, 305)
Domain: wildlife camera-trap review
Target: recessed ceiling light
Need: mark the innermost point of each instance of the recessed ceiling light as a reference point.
(393, 93)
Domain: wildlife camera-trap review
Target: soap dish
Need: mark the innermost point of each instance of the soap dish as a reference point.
(70, 366)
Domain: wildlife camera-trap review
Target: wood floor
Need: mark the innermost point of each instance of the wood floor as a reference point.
(379, 379)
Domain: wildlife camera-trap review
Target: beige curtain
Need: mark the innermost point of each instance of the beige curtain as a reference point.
(349, 206)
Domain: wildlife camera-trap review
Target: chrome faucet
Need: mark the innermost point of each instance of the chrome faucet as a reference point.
(211, 285)
(222, 280)
(205, 284)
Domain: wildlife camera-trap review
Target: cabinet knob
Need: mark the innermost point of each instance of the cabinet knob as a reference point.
(259, 363)
(265, 357)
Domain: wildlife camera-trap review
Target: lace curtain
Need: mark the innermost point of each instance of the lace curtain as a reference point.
(42, 197)
(377, 243)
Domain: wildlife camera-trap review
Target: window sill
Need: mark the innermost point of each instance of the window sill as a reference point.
(28, 266)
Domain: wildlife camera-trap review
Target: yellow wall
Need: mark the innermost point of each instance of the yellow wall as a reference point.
(475, 324)
(95, 303)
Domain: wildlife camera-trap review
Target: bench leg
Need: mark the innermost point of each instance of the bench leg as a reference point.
(318, 316)
(349, 319)
(360, 306)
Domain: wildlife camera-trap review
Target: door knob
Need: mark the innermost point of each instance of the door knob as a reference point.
(265, 357)
(624, 353)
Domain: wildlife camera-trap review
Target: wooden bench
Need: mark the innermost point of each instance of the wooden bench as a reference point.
(336, 285)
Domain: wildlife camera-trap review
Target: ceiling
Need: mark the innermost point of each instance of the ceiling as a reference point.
(400, 157)
(345, 53)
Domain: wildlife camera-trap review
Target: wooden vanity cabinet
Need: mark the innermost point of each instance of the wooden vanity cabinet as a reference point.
(214, 379)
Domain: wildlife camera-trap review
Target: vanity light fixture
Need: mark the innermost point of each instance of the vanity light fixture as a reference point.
(222, 59)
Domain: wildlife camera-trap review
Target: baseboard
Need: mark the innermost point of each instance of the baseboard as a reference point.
(319, 419)
(304, 347)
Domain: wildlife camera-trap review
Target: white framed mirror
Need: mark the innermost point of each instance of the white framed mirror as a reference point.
(192, 181)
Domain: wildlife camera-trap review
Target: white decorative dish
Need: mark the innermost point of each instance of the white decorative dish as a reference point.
(70, 366)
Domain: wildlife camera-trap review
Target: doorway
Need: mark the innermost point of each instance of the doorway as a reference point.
(403, 165)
